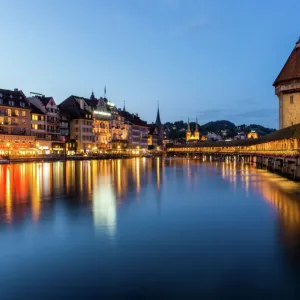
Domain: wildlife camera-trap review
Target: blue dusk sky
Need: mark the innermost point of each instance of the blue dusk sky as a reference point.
(215, 59)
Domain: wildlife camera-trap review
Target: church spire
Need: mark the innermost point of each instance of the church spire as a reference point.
(158, 122)
(196, 128)
(104, 91)
(189, 128)
(92, 96)
(124, 109)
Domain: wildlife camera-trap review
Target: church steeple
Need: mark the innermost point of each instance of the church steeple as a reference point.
(189, 127)
(93, 96)
(124, 109)
(196, 128)
(188, 132)
(158, 121)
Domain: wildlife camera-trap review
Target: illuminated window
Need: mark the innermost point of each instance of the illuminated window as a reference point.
(34, 126)
(291, 99)
(9, 112)
(34, 117)
(17, 113)
(9, 121)
(1, 120)
(23, 113)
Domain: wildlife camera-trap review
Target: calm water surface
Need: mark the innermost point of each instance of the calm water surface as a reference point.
(147, 229)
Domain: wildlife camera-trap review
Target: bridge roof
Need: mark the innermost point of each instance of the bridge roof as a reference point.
(282, 134)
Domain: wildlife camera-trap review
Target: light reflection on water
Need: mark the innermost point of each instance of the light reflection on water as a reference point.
(156, 210)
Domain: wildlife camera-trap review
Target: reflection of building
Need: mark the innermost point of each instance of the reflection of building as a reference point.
(287, 89)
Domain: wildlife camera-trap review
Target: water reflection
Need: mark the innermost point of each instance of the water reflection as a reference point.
(282, 194)
(99, 184)
(166, 218)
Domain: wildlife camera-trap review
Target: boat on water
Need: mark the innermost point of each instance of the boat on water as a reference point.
(4, 161)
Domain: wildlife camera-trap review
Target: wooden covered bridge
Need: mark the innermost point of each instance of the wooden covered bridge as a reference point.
(278, 151)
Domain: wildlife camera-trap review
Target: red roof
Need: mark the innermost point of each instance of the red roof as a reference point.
(291, 69)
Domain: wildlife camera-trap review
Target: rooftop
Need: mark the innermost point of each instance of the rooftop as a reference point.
(291, 69)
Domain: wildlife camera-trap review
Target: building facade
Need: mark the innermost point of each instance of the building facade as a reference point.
(81, 123)
(287, 89)
(48, 106)
(14, 113)
(38, 123)
(101, 122)
(192, 136)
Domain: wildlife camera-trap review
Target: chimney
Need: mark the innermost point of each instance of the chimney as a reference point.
(16, 90)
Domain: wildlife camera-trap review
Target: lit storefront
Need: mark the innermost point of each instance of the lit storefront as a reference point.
(58, 148)
(15, 145)
(71, 147)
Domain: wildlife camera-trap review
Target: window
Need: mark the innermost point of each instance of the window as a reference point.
(34, 117)
(291, 99)
(22, 104)
(34, 126)
(17, 113)
(9, 112)
(1, 101)
(11, 103)
(9, 121)
(1, 120)
(23, 113)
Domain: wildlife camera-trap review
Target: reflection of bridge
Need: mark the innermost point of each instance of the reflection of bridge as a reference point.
(278, 151)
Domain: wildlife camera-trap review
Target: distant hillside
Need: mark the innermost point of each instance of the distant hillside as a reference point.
(177, 129)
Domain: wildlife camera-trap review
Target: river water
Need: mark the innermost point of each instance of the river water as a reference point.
(148, 229)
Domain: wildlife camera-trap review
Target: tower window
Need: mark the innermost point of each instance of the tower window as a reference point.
(291, 99)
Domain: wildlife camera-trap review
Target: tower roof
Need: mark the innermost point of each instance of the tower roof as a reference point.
(158, 121)
(196, 126)
(291, 69)
(189, 128)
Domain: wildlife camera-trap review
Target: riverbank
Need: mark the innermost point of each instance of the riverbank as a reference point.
(48, 158)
